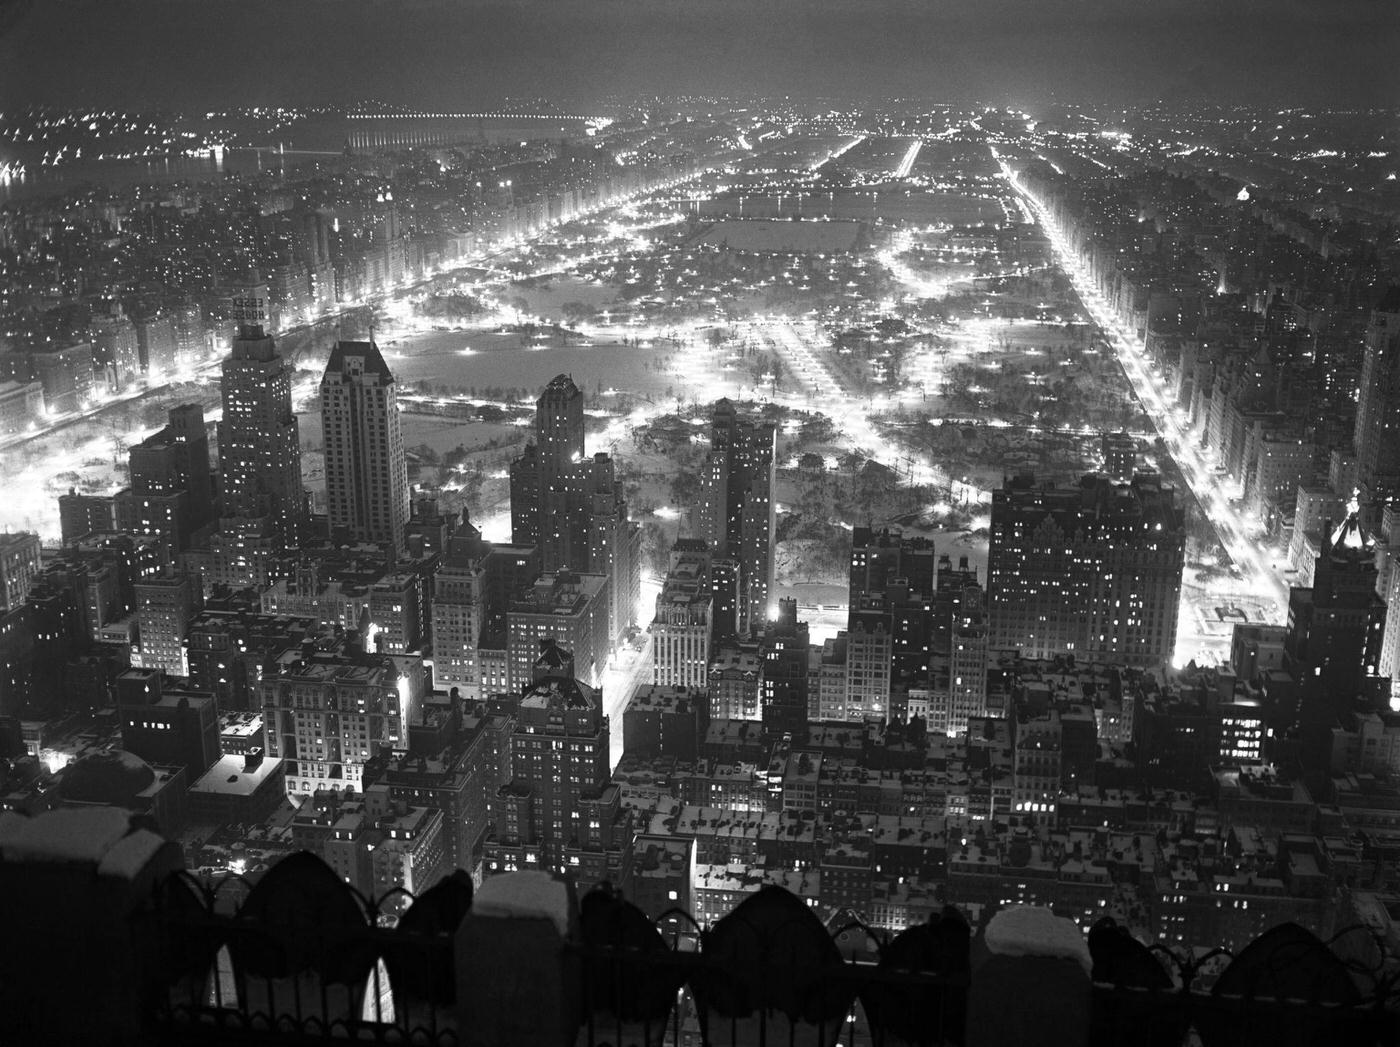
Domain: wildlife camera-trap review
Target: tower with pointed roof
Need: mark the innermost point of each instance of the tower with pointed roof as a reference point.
(559, 757)
(572, 506)
(366, 472)
(1335, 628)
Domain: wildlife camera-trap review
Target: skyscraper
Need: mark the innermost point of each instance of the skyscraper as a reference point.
(735, 513)
(572, 508)
(889, 627)
(1377, 433)
(614, 544)
(1119, 456)
(559, 425)
(880, 557)
(967, 685)
(783, 662)
(562, 503)
(459, 612)
(869, 657)
(1336, 628)
(680, 629)
(19, 566)
(165, 606)
(569, 608)
(170, 466)
(559, 759)
(366, 473)
(1093, 570)
(259, 443)
(525, 497)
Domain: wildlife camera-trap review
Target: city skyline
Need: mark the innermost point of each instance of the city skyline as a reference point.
(679, 505)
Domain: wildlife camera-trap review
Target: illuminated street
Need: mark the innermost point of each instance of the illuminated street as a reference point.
(1262, 589)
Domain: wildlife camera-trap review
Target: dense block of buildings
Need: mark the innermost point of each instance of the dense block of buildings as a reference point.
(568, 609)
(457, 758)
(329, 707)
(1092, 570)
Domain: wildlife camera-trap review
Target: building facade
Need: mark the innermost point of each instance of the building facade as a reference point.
(366, 472)
(735, 513)
(259, 441)
(1092, 570)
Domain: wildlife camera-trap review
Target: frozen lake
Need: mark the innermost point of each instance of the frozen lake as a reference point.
(483, 359)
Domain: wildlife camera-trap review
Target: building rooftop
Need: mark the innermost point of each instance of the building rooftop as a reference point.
(373, 359)
(231, 776)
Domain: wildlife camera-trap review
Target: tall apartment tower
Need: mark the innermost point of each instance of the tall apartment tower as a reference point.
(569, 608)
(559, 755)
(724, 586)
(1119, 456)
(1377, 433)
(366, 473)
(614, 544)
(525, 497)
(259, 443)
(1092, 570)
(559, 425)
(880, 557)
(967, 684)
(19, 566)
(783, 663)
(680, 629)
(563, 522)
(1336, 629)
(736, 512)
(571, 507)
(869, 658)
(165, 606)
(459, 613)
(171, 466)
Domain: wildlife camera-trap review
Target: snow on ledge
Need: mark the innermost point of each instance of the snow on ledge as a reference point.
(525, 894)
(81, 834)
(1029, 930)
(129, 856)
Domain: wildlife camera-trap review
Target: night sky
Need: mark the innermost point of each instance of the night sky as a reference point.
(198, 54)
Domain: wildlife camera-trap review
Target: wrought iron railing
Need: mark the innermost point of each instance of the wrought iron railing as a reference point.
(303, 957)
(1286, 987)
(300, 957)
(631, 999)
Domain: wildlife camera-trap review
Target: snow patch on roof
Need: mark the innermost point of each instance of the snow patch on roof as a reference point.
(525, 894)
(85, 834)
(1029, 930)
(129, 856)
